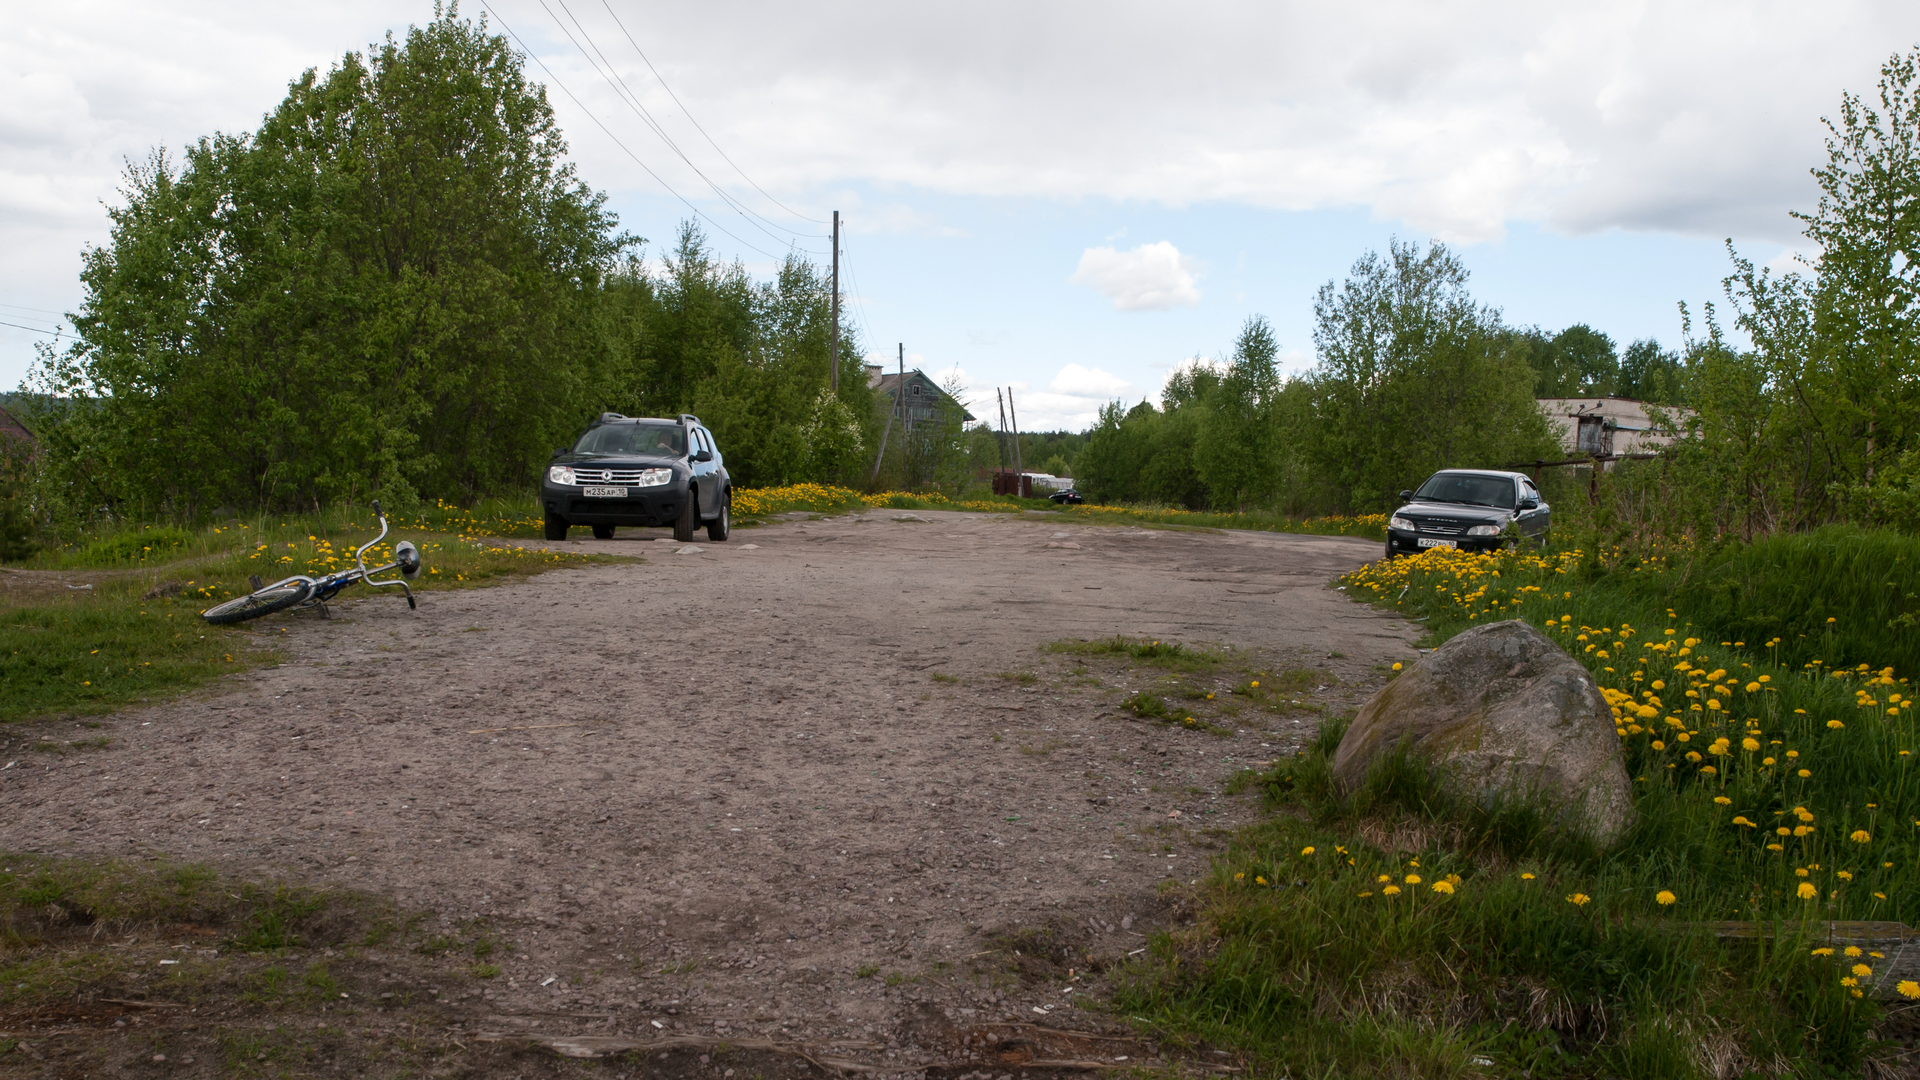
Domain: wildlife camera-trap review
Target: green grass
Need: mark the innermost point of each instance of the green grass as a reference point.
(1170, 655)
(134, 633)
(1838, 594)
(1302, 959)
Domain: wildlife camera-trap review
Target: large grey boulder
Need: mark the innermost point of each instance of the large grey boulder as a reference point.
(1502, 713)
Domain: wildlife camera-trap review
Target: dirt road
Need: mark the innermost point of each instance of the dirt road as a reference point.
(799, 785)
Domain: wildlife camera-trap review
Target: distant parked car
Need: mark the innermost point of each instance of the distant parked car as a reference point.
(1068, 497)
(1469, 509)
(636, 470)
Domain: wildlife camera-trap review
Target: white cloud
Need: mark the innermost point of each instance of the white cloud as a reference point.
(1151, 277)
(1086, 382)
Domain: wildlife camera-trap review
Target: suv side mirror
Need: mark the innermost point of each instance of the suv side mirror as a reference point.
(1529, 504)
(558, 450)
(1406, 496)
(704, 455)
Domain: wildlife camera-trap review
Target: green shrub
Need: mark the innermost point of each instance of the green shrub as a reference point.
(1838, 594)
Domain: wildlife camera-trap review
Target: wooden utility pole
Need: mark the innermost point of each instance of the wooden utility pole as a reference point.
(1017, 466)
(1002, 440)
(833, 330)
(900, 406)
(900, 392)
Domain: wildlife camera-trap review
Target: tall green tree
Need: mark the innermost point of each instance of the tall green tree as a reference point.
(1836, 349)
(1652, 374)
(387, 289)
(1413, 376)
(1235, 450)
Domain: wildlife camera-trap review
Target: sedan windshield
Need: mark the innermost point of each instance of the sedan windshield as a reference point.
(649, 440)
(1466, 488)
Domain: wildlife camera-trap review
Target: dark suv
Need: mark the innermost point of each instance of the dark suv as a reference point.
(633, 470)
(1469, 509)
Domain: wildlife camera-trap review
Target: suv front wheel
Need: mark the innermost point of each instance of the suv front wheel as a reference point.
(718, 527)
(689, 519)
(556, 526)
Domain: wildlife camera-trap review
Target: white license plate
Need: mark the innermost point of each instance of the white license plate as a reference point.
(1428, 541)
(604, 492)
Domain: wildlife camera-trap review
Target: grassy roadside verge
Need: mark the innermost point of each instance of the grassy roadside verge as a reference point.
(147, 966)
(116, 622)
(1400, 933)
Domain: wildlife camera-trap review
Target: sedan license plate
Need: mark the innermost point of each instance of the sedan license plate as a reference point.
(604, 492)
(1428, 541)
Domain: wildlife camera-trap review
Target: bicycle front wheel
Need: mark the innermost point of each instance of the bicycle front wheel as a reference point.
(278, 597)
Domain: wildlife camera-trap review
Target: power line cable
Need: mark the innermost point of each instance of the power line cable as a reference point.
(604, 68)
(32, 329)
(859, 306)
(35, 310)
(660, 129)
(616, 139)
(689, 115)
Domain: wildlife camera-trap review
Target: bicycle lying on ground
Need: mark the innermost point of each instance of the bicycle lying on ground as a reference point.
(302, 591)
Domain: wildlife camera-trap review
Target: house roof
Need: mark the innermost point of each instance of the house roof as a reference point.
(11, 428)
(889, 384)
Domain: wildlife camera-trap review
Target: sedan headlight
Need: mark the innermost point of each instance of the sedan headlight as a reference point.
(655, 477)
(1484, 530)
(561, 474)
(1404, 525)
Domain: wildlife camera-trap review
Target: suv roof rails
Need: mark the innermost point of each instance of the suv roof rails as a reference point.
(689, 418)
(610, 417)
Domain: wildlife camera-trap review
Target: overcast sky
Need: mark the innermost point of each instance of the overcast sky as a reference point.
(1068, 198)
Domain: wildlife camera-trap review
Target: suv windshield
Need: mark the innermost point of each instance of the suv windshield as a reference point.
(652, 440)
(1462, 488)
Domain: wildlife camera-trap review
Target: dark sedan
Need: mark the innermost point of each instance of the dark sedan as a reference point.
(1470, 509)
(630, 470)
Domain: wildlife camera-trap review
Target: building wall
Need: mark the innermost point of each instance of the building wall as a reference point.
(1624, 425)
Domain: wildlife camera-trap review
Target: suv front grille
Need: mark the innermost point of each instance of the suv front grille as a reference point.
(1441, 528)
(624, 477)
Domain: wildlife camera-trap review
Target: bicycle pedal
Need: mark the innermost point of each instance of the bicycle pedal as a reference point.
(254, 580)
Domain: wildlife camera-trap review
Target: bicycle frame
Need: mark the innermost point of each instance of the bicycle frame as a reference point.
(323, 589)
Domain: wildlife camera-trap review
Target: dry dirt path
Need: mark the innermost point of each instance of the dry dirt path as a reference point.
(730, 795)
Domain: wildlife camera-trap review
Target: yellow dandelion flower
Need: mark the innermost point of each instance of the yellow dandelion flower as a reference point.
(1908, 988)
(1723, 800)
(1850, 951)
(1258, 880)
(1445, 888)
(1578, 899)
(1860, 836)
(1862, 971)
(1807, 891)
(1526, 877)
(1391, 890)
(1823, 952)
(1306, 851)
(1664, 898)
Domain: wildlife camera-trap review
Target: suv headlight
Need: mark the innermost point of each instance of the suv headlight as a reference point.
(561, 474)
(1484, 530)
(655, 477)
(1398, 522)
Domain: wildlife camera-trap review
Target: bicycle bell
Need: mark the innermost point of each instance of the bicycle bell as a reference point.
(408, 557)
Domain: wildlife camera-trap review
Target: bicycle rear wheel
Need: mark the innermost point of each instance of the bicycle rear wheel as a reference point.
(277, 597)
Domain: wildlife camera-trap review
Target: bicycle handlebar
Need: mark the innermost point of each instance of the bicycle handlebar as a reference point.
(367, 576)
